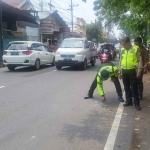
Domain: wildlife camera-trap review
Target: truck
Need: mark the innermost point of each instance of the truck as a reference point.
(75, 52)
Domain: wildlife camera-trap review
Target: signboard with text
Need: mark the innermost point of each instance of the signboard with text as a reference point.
(47, 26)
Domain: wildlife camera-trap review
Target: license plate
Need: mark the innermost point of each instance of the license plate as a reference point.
(67, 59)
(14, 53)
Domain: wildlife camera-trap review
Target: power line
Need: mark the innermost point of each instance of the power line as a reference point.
(59, 9)
(82, 10)
(41, 5)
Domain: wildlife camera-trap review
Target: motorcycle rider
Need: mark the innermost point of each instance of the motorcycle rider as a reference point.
(106, 71)
(107, 50)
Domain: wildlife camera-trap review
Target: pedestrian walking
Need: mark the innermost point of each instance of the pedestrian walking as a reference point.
(145, 59)
(130, 69)
(106, 71)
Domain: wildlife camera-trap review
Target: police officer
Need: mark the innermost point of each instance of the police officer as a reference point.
(106, 71)
(145, 59)
(130, 70)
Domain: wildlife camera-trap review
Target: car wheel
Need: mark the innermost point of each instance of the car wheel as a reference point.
(11, 68)
(53, 63)
(58, 67)
(84, 66)
(37, 64)
(93, 62)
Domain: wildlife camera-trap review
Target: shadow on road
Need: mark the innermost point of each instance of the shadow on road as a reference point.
(76, 68)
(28, 69)
(95, 127)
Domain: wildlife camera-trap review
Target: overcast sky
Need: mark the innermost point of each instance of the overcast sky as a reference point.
(83, 10)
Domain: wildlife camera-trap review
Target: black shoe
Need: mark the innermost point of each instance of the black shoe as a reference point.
(120, 99)
(137, 107)
(88, 97)
(140, 97)
(128, 104)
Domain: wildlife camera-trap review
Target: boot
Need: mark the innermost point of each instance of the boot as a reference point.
(88, 97)
(128, 104)
(137, 107)
(120, 99)
(140, 97)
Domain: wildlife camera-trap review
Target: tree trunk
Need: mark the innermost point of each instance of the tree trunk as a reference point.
(144, 37)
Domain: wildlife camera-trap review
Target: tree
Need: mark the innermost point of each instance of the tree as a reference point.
(94, 31)
(130, 15)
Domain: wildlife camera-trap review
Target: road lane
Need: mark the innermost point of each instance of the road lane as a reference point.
(45, 109)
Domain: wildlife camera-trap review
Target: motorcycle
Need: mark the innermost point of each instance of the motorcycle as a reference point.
(104, 57)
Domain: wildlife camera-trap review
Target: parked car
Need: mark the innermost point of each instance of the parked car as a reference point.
(75, 51)
(27, 53)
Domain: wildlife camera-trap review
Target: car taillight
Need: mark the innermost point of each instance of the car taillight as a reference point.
(5, 53)
(27, 52)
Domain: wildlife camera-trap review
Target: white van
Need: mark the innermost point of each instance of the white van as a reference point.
(75, 51)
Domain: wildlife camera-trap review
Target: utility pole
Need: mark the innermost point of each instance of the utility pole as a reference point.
(41, 5)
(71, 9)
(71, 15)
(50, 4)
(1, 35)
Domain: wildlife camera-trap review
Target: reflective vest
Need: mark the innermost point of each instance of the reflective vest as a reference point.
(129, 58)
(113, 72)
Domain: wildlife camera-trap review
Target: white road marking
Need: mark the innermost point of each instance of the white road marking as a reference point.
(2, 87)
(33, 137)
(114, 128)
(54, 70)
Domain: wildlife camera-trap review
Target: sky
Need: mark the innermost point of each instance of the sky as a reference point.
(81, 10)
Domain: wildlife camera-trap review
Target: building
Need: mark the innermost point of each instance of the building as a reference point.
(81, 27)
(20, 4)
(53, 28)
(18, 24)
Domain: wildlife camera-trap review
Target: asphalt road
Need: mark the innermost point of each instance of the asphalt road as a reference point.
(46, 110)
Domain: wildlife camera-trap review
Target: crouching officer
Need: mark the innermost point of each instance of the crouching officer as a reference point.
(130, 70)
(106, 71)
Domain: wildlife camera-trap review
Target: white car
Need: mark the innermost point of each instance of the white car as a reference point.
(75, 51)
(27, 53)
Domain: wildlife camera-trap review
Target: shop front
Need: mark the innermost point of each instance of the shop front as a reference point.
(52, 30)
(18, 25)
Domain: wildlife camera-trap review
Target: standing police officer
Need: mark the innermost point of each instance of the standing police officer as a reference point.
(145, 59)
(130, 69)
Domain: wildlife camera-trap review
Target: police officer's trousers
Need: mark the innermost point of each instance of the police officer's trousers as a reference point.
(131, 85)
(140, 85)
(115, 81)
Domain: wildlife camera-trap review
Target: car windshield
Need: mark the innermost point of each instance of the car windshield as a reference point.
(17, 46)
(72, 44)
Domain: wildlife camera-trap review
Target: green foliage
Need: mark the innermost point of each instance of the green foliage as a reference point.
(94, 30)
(130, 15)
